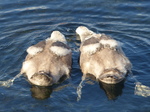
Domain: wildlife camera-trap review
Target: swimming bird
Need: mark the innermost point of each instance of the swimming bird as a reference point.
(102, 56)
(48, 60)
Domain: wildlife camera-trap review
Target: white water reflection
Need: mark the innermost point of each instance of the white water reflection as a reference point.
(9, 82)
(23, 9)
(79, 88)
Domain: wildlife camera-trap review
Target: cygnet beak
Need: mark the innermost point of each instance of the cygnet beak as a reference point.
(41, 79)
(112, 77)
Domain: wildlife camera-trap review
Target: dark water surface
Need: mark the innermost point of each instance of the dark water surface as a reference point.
(26, 22)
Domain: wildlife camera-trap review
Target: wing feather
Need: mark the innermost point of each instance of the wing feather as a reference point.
(60, 49)
(33, 50)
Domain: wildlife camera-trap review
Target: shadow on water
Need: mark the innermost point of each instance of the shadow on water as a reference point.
(112, 91)
(41, 93)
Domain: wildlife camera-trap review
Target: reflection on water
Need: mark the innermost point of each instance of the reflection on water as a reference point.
(41, 92)
(112, 90)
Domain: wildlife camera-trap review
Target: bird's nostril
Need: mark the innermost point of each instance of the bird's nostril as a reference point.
(109, 76)
(112, 76)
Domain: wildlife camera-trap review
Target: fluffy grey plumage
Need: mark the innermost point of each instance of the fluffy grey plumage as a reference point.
(48, 60)
(101, 56)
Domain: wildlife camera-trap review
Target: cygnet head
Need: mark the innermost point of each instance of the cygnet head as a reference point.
(41, 79)
(84, 32)
(113, 76)
(57, 36)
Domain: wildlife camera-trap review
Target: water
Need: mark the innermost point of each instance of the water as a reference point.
(79, 88)
(9, 82)
(26, 22)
